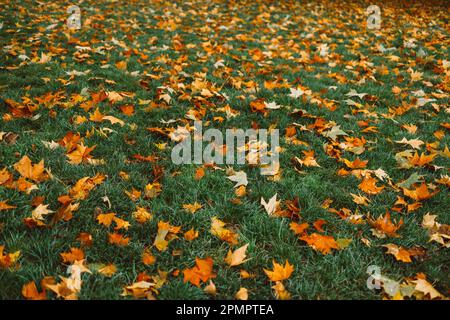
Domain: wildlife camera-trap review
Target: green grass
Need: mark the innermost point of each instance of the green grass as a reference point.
(340, 275)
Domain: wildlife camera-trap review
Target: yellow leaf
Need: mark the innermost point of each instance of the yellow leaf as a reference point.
(242, 294)
(237, 257)
(108, 270)
(279, 273)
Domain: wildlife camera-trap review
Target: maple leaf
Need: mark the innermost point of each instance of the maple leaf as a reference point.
(108, 270)
(439, 233)
(127, 109)
(121, 224)
(218, 229)
(52, 145)
(5, 206)
(369, 186)
(199, 173)
(162, 238)
(35, 172)
(81, 154)
(142, 215)
(258, 105)
(415, 75)
(114, 120)
(272, 106)
(201, 272)
(134, 195)
(343, 243)
(192, 208)
(118, 239)
(334, 133)
(140, 289)
(318, 225)
(422, 160)
(402, 254)
(420, 193)
(240, 178)
(246, 275)
(356, 164)
(358, 199)
(9, 259)
(40, 212)
(280, 291)
(30, 292)
(152, 190)
(424, 287)
(210, 288)
(5, 177)
(296, 93)
(413, 178)
(321, 243)
(298, 228)
(106, 218)
(148, 258)
(237, 257)
(383, 226)
(415, 143)
(83, 186)
(114, 96)
(85, 239)
(308, 161)
(75, 254)
(242, 294)
(270, 206)
(180, 134)
(279, 272)
(191, 234)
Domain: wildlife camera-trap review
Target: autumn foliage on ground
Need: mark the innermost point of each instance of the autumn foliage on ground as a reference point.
(92, 207)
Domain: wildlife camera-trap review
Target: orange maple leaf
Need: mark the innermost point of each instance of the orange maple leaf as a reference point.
(369, 186)
(30, 292)
(35, 172)
(5, 206)
(298, 228)
(422, 160)
(127, 110)
(81, 154)
(75, 254)
(258, 106)
(199, 173)
(403, 254)
(191, 234)
(356, 164)
(385, 225)
(118, 239)
(106, 218)
(279, 273)
(320, 243)
(82, 187)
(202, 271)
(420, 193)
(5, 177)
(218, 229)
(9, 259)
(192, 208)
(70, 141)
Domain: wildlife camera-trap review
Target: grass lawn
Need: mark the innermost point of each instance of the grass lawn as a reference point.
(360, 111)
